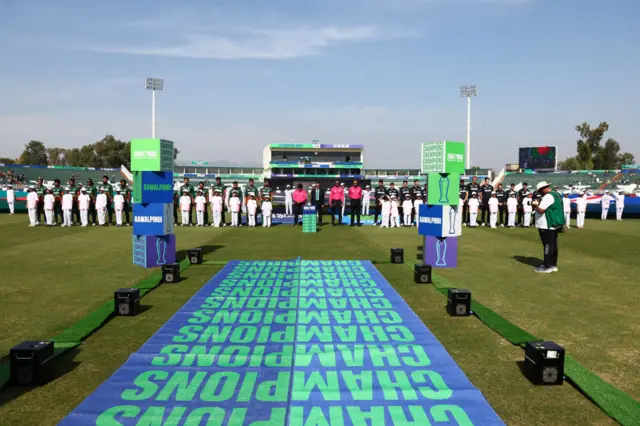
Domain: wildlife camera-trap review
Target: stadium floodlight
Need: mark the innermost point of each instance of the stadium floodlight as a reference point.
(468, 92)
(154, 84)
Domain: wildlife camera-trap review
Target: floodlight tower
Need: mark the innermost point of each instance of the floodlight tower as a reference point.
(154, 84)
(468, 92)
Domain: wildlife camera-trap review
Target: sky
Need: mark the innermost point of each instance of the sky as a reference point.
(384, 73)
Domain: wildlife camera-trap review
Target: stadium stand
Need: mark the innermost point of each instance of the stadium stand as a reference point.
(48, 174)
(590, 179)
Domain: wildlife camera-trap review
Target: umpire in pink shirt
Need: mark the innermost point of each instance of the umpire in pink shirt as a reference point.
(336, 199)
(355, 195)
(299, 199)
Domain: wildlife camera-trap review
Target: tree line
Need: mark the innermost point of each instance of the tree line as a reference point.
(592, 155)
(108, 152)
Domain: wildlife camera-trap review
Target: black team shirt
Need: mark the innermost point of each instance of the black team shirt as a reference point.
(404, 192)
(501, 196)
(393, 191)
(463, 192)
(486, 191)
(473, 188)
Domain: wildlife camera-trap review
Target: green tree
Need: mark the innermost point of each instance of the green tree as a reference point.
(571, 163)
(623, 159)
(4, 160)
(593, 155)
(34, 153)
(57, 156)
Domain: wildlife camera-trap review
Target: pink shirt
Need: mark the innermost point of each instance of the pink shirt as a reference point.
(337, 194)
(355, 193)
(299, 196)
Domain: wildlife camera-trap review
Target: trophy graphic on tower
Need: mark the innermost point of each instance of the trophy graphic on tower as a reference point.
(161, 249)
(443, 185)
(453, 212)
(441, 252)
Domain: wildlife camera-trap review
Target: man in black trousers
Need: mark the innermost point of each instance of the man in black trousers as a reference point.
(317, 200)
(485, 190)
(502, 207)
(355, 197)
(378, 193)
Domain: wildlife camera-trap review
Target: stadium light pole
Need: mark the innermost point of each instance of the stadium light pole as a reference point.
(154, 84)
(468, 92)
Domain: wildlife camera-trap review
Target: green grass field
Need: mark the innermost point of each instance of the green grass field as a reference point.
(52, 277)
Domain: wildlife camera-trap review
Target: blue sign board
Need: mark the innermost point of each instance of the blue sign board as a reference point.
(153, 187)
(153, 219)
(440, 221)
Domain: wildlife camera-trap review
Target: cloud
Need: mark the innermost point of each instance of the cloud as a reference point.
(254, 43)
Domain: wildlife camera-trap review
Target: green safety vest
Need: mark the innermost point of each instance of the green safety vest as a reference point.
(555, 213)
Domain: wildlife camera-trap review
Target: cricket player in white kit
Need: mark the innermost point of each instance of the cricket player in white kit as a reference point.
(512, 209)
(288, 200)
(605, 202)
(118, 205)
(366, 200)
(474, 205)
(619, 205)
(67, 208)
(101, 207)
(494, 207)
(566, 207)
(267, 210)
(32, 206)
(581, 208)
(84, 201)
(527, 209)
(11, 198)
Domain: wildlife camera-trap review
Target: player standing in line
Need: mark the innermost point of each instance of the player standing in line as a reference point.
(222, 190)
(474, 204)
(493, 206)
(605, 201)
(201, 207)
(186, 184)
(250, 190)
(522, 194)
(252, 211)
(92, 193)
(267, 210)
(619, 205)
(403, 192)
(49, 202)
(234, 207)
(84, 201)
(126, 194)
(118, 205)
(416, 208)
(512, 209)
(185, 206)
(566, 208)
(486, 193)
(407, 209)
(385, 210)
(11, 198)
(58, 192)
(502, 206)
(463, 203)
(378, 193)
(101, 206)
(527, 209)
(216, 208)
(266, 191)
(67, 209)
(32, 206)
(395, 211)
(205, 194)
(288, 200)
(73, 189)
(108, 191)
(366, 200)
(581, 208)
(41, 191)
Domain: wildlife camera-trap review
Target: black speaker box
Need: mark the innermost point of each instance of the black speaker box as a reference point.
(458, 302)
(195, 256)
(171, 273)
(544, 363)
(422, 274)
(127, 302)
(397, 255)
(31, 363)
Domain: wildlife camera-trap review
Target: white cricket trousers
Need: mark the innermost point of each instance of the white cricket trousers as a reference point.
(32, 217)
(185, 217)
(493, 219)
(567, 217)
(11, 206)
(266, 221)
(407, 220)
(252, 220)
(102, 216)
(67, 220)
(526, 219)
(605, 212)
(234, 218)
(580, 219)
(119, 217)
(217, 217)
(385, 222)
(288, 206)
(365, 206)
(511, 219)
(48, 214)
(619, 211)
(84, 217)
(395, 221)
(473, 219)
(200, 217)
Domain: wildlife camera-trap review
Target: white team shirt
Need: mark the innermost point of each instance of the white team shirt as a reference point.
(67, 202)
(267, 208)
(185, 203)
(366, 195)
(605, 200)
(234, 204)
(473, 203)
(620, 200)
(48, 201)
(394, 208)
(288, 194)
(526, 205)
(11, 195)
(32, 200)
(118, 202)
(386, 208)
(417, 204)
(252, 206)
(581, 204)
(566, 205)
(216, 203)
(83, 201)
(545, 203)
(201, 202)
(493, 205)
(406, 207)
(101, 201)
(512, 205)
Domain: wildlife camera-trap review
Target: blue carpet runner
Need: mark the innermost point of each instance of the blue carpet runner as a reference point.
(300, 343)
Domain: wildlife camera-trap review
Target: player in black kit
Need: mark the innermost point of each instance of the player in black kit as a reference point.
(485, 190)
(522, 194)
(473, 188)
(464, 194)
(502, 199)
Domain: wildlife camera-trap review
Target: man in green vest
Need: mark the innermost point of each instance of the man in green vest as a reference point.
(108, 190)
(187, 185)
(58, 192)
(549, 219)
(126, 193)
(41, 191)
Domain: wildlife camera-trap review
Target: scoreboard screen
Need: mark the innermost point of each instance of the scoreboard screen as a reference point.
(538, 158)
